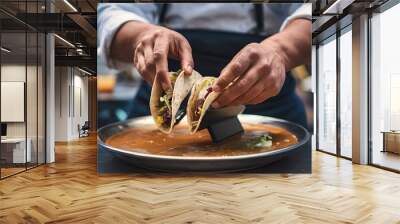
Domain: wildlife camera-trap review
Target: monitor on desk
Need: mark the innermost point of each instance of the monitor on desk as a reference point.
(3, 130)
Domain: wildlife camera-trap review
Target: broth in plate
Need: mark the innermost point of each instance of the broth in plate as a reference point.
(148, 139)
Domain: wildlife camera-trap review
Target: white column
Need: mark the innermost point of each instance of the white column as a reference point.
(360, 90)
(50, 92)
(50, 99)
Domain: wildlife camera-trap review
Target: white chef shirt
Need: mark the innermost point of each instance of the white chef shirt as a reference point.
(232, 17)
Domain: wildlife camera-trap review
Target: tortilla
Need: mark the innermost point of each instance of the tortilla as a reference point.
(181, 85)
(201, 85)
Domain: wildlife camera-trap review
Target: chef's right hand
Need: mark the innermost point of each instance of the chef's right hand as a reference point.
(152, 48)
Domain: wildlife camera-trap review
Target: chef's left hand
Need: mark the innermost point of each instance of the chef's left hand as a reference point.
(260, 72)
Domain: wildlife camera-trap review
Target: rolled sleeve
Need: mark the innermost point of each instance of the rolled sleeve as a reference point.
(302, 12)
(111, 16)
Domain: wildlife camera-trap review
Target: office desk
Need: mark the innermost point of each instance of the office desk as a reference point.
(13, 150)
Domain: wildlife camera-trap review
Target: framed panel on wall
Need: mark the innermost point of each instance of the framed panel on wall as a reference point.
(12, 100)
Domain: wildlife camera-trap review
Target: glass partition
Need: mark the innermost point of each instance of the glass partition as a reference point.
(15, 150)
(31, 97)
(22, 90)
(35, 88)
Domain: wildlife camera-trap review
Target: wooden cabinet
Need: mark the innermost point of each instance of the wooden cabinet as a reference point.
(391, 141)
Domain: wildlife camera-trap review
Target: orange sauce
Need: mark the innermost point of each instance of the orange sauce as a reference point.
(148, 139)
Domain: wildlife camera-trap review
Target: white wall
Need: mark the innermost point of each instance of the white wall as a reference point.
(16, 72)
(61, 104)
(80, 110)
(71, 93)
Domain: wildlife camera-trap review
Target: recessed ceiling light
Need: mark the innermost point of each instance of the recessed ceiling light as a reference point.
(337, 7)
(65, 41)
(84, 71)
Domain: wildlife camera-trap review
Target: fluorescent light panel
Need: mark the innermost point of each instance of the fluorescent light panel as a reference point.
(5, 50)
(64, 40)
(70, 5)
(84, 71)
(337, 7)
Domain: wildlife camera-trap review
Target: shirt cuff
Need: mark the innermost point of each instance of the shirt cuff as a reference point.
(113, 24)
(303, 12)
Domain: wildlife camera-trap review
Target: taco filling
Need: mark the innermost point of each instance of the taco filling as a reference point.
(164, 115)
(206, 89)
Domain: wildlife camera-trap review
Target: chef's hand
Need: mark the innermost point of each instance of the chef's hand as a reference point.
(152, 45)
(257, 73)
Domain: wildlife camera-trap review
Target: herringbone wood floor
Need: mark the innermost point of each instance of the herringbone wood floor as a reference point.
(70, 191)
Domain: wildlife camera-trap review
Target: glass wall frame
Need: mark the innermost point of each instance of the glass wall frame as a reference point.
(383, 84)
(371, 63)
(327, 95)
(338, 143)
(26, 53)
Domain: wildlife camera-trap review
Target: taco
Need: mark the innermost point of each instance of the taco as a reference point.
(200, 100)
(164, 105)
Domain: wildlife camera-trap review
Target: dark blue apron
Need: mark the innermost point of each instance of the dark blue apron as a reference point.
(212, 51)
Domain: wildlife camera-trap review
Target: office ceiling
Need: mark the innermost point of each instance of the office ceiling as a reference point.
(332, 15)
(19, 54)
(72, 20)
(75, 21)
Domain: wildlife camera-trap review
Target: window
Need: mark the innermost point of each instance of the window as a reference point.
(327, 96)
(346, 92)
(334, 106)
(385, 89)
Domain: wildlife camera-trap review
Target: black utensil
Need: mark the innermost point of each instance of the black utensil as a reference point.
(222, 123)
